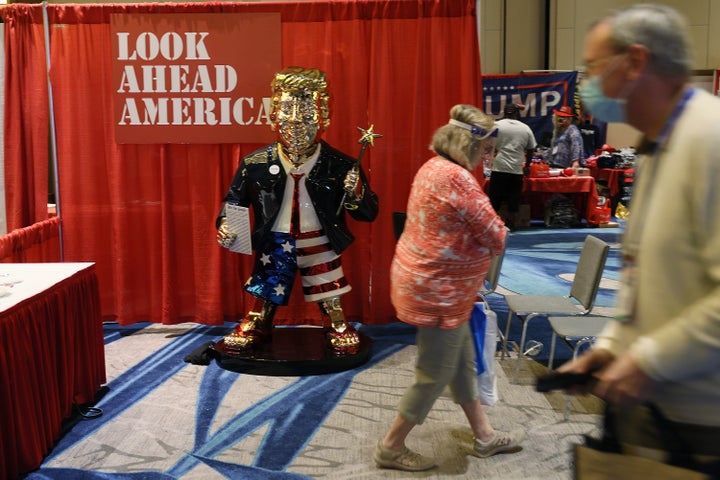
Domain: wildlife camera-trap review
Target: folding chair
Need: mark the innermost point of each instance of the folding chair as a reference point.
(580, 301)
(576, 332)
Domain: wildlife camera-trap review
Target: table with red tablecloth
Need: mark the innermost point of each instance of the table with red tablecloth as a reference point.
(609, 176)
(536, 191)
(51, 356)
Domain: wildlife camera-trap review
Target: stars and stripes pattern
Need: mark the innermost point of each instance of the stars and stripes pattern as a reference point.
(320, 268)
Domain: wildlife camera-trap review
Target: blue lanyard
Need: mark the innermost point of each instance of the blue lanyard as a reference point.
(626, 301)
(629, 242)
(667, 129)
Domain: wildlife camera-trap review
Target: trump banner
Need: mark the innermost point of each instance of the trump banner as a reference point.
(537, 93)
(193, 78)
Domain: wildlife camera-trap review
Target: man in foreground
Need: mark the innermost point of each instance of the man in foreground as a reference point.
(664, 348)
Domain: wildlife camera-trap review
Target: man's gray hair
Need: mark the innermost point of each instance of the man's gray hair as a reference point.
(659, 28)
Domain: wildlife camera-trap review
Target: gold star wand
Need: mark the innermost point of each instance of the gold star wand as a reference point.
(367, 138)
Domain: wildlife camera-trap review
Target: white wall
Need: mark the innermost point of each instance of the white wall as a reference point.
(512, 35)
(570, 20)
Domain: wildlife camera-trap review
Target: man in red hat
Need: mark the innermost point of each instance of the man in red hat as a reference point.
(566, 149)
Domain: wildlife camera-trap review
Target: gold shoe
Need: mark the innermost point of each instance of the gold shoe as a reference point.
(250, 332)
(346, 342)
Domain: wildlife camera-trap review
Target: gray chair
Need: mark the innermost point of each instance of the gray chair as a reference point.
(580, 301)
(576, 332)
(493, 275)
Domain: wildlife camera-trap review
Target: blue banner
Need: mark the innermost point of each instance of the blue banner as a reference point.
(538, 93)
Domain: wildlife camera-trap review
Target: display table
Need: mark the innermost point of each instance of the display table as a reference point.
(610, 176)
(537, 190)
(51, 355)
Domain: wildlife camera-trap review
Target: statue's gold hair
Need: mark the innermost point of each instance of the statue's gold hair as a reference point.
(302, 81)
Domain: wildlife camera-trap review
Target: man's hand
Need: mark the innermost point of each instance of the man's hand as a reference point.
(619, 381)
(225, 237)
(623, 383)
(591, 361)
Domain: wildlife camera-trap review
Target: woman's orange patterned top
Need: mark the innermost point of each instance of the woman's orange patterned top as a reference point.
(442, 258)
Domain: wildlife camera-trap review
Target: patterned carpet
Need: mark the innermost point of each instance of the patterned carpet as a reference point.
(164, 418)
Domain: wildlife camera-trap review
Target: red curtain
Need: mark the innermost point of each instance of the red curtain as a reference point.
(145, 213)
(34, 244)
(26, 124)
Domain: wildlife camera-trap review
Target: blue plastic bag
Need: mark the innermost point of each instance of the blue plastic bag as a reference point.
(478, 322)
(483, 324)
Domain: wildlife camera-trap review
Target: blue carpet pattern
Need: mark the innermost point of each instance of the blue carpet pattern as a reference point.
(310, 398)
(287, 417)
(535, 259)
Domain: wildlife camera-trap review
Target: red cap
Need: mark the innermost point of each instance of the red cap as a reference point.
(564, 111)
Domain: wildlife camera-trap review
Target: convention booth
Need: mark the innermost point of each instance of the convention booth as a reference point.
(144, 213)
(136, 204)
(137, 214)
(143, 208)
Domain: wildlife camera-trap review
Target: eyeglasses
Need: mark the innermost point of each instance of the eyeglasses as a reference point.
(594, 64)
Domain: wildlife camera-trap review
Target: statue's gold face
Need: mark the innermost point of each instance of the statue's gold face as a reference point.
(297, 120)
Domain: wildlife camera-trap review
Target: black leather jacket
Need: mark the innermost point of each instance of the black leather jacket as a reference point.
(254, 185)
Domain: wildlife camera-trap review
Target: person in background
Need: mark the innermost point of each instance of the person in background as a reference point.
(566, 148)
(591, 136)
(514, 149)
(440, 262)
(664, 348)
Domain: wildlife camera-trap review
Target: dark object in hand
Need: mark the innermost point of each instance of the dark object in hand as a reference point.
(562, 381)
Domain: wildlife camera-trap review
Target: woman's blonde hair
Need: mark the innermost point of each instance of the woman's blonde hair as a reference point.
(455, 142)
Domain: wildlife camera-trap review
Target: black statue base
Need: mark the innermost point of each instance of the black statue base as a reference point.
(292, 351)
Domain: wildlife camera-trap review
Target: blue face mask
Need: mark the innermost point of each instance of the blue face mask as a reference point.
(603, 108)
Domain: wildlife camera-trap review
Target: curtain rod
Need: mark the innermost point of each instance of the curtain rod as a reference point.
(53, 139)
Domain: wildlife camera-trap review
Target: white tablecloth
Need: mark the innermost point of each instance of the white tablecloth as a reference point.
(25, 280)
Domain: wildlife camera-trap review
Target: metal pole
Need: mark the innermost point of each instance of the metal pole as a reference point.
(53, 140)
